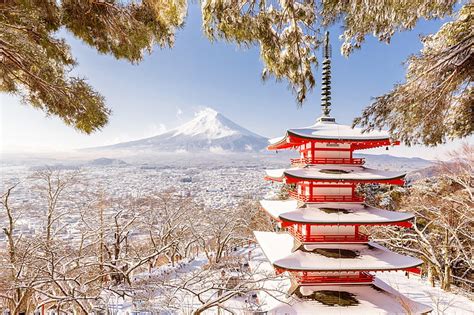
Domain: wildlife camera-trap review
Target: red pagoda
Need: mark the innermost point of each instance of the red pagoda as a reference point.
(320, 246)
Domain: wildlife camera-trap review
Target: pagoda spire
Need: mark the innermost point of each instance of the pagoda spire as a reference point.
(326, 80)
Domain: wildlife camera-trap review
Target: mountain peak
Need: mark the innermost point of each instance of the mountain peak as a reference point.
(208, 131)
(208, 112)
(210, 124)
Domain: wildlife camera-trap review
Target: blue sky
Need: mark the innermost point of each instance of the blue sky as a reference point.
(169, 86)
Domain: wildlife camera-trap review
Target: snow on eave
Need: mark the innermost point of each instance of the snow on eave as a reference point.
(376, 298)
(274, 141)
(307, 134)
(278, 249)
(356, 173)
(288, 210)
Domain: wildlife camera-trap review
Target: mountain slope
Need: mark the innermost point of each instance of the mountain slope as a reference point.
(209, 131)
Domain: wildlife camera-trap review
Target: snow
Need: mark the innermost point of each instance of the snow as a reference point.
(208, 131)
(381, 299)
(278, 249)
(327, 130)
(418, 289)
(276, 140)
(317, 172)
(211, 123)
(288, 210)
(414, 292)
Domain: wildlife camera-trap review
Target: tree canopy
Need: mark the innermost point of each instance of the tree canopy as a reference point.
(35, 63)
(437, 99)
(434, 104)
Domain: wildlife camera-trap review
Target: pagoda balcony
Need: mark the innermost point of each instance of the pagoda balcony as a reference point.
(306, 278)
(325, 198)
(309, 161)
(328, 238)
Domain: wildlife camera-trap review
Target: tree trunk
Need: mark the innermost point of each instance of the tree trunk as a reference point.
(446, 281)
(431, 276)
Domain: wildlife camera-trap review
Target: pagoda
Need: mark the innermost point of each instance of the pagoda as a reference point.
(320, 245)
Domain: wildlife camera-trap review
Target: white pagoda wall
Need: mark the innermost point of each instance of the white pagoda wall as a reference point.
(326, 150)
(333, 191)
(333, 230)
(332, 154)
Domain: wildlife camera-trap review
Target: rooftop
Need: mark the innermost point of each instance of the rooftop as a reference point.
(330, 213)
(376, 298)
(326, 129)
(333, 172)
(277, 247)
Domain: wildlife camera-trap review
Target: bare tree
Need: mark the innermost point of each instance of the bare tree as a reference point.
(14, 270)
(442, 229)
(166, 218)
(52, 184)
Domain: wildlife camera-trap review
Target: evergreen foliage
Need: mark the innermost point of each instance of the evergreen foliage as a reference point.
(35, 63)
(433, 105)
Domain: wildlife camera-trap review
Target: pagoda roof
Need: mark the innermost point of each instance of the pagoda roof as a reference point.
(320, 213)
(331, 172)
(327, 130)
(277, 247)
(376, 298)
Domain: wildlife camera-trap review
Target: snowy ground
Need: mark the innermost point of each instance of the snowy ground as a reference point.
(419, 290)
(414, 288)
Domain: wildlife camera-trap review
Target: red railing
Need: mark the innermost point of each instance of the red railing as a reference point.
(328, 198)
(355, 161)
(362, 277)
(359, 237)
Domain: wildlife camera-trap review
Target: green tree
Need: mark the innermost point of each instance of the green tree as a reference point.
(437, 99)
(434, 104)
(35, 63)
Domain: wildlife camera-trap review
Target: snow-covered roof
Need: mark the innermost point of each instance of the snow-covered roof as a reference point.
(330, 130)
(329, 172)
(275, 140)
(378, 298)
(314, 213)
(375, 298)
(372, 256)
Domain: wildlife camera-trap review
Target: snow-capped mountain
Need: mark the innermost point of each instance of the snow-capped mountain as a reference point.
(208, 131)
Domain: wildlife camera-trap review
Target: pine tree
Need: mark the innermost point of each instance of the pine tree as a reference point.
(35, 63)
(433, 105)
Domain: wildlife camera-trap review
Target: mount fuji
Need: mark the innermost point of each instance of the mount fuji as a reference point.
(208, 131)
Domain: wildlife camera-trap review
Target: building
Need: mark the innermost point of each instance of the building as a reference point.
(329, 263)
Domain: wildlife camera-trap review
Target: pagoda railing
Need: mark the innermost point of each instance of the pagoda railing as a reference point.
(305, 278)
(355, 238)
(327, 198)
(307, 160)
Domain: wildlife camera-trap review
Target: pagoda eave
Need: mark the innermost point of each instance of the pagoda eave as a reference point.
(377, 298)
(279, 250)
(411, 268)
(288, 212)
(402, 223)
(292, 139)
(291, 179)
(335, 174)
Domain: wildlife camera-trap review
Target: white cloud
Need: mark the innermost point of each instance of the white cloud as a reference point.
(150, 131)
(179, 113)
(155, 129)
(217, 150)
